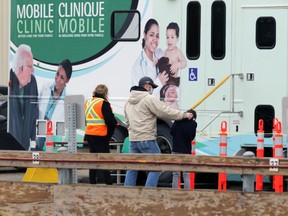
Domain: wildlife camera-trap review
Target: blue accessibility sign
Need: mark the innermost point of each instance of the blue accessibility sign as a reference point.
(193, 74)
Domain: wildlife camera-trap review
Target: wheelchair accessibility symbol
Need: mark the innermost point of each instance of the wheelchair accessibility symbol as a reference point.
(193, 74)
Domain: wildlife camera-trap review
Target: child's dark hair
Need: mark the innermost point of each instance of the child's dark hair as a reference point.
(174, 26)
(193, 112)
(147, 27)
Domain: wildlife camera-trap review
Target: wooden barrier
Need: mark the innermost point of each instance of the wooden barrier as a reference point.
(19, 198)
(162, 162)
(46, 199)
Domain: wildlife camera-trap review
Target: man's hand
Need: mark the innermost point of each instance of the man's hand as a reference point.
(188, 115)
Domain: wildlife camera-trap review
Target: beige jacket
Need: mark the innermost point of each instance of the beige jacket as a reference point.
(141, 112)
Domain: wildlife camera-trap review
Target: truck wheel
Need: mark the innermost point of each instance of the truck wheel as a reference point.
(164, 140)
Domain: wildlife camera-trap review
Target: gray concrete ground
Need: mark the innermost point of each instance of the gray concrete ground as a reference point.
(11, 174)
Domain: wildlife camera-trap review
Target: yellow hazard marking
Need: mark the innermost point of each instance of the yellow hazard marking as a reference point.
(44, 175)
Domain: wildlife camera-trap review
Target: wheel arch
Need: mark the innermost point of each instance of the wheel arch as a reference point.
(164, 138)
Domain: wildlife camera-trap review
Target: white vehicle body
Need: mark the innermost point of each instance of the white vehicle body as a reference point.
(257, 86)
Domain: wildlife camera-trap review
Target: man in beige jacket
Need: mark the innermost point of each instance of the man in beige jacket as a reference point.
(141, 112)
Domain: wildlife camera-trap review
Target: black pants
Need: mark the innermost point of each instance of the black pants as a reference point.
(96, 146)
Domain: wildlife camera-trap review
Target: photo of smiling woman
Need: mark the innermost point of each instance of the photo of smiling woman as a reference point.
(145, 65)
(51, 98)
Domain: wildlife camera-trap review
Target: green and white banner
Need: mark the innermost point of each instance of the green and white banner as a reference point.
(77, 29)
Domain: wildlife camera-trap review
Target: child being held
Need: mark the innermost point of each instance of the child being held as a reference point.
(183, 132)
(175, 55)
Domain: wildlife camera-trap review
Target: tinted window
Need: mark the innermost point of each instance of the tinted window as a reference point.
(265, 33)
(193, 30)
(218, 30)
(267, 114)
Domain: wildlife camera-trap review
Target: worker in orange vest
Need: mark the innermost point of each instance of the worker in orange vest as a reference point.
(100, 126)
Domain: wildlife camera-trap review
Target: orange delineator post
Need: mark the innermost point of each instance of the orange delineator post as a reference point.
(222, 177)
(193, 147)
(49, 137)
(260, 152)
(275, 121)
(278, 154)
(192, 174)
(179, 180)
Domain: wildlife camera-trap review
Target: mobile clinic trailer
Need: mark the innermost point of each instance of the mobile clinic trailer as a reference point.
(237, 49)
(247, 41)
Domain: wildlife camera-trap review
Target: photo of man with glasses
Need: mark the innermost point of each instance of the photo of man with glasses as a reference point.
(23, 97)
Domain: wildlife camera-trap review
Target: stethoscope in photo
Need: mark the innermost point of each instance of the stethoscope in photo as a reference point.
(144, 65)
(51, 106)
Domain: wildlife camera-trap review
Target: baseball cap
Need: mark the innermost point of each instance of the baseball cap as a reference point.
(147, 80)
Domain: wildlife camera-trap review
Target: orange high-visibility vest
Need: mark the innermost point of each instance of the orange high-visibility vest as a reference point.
(95, 124)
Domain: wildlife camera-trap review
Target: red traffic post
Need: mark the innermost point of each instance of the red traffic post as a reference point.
(260, 152)
(49, 137)
(275, 121)
(192, 174)
(222, 177)
(278, 154)
(179, 180)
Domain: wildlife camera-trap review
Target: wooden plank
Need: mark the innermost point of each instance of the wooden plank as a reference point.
(26, 199)
(163, 162)
(45, 199)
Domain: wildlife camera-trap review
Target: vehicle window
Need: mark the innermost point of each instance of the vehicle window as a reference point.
(218, 30)
(267, 114)
(265, 32)
(125, 25)
(193, 30)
